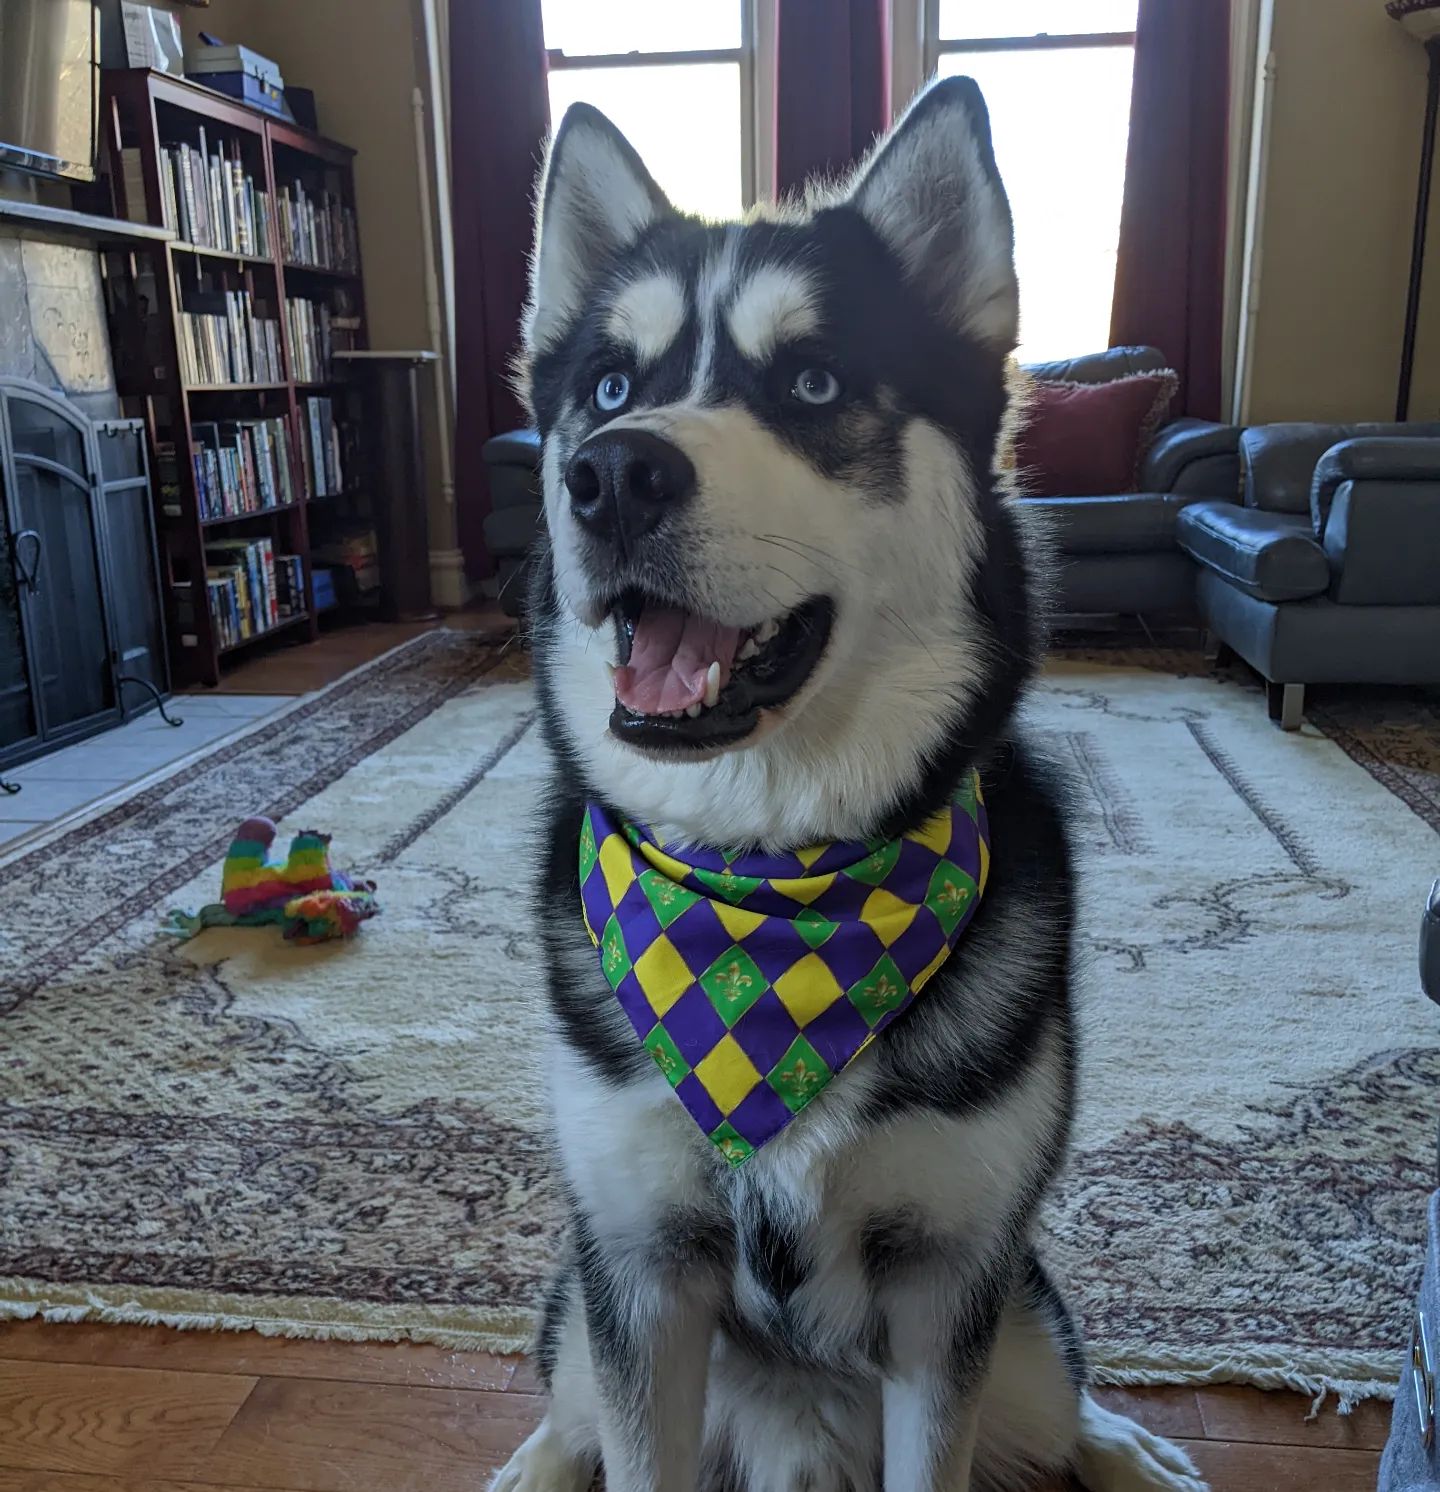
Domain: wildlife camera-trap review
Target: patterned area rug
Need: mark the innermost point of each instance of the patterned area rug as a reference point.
(347, 1141)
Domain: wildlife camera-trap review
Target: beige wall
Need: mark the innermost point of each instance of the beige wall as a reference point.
(1345, 122)
(362, 59)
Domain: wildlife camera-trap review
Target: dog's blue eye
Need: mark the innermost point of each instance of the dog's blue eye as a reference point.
(815, 386)
(612, 391)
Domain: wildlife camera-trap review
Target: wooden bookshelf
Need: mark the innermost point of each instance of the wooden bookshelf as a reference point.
(151, 285)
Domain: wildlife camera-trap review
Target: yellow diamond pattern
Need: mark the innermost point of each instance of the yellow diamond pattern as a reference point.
(934, 833)
(736, 920)
(805, 889)
(807, 989)
(617, 867)
(728, 1074)
(887, 915)
(663, 974)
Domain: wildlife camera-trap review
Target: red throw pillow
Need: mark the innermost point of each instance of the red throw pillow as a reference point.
(1086, 439)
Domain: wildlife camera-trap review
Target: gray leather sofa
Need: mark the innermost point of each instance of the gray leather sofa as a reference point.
(1119, 551)
(1326, 568)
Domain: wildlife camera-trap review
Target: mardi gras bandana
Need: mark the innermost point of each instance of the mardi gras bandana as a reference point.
(752, 980)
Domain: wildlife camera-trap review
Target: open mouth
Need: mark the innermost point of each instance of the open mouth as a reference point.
(686, 682)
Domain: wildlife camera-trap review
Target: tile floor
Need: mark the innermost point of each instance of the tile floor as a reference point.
(56, 785)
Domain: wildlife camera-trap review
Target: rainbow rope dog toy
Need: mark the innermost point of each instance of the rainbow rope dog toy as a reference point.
(302, 894)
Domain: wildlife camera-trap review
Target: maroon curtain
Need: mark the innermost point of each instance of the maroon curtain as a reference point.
(832, 85)
(499, 117)
(1170, 272)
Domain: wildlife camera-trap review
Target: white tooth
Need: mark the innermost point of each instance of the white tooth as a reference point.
(749, 650)
(767, 632)
(712, 684)
(612, 670)
(693, 710)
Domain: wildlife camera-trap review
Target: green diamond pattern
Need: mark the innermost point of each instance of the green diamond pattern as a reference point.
(725, 884)
(876, 865)
(667, 1055)
(814, 928)
(731, 1144)
(951, 895)
(613, 955)
(589, 854)
(733, 984)
(799, 1075)
(882, 990)
(667, 897)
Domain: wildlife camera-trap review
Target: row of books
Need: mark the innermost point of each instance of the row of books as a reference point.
(242, 466)
(317, 228)
(249, 588)
(211, 200)
(226, 338)
(328, 448)
(310, 339)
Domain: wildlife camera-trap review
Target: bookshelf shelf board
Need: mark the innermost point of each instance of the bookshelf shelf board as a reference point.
(320, 269)
(327, 383)
(280, 626)
(225, 518)
(181, 247)
(235, 388)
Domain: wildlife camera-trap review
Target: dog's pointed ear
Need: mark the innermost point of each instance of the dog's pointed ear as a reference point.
(930, 189)
(595, 198)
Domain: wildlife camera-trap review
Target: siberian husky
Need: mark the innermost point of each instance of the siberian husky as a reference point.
(783, 601)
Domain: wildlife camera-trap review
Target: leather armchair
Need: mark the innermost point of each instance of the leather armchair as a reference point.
(1328, 569)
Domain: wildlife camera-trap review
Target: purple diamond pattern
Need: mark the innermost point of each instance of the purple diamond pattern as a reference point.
(726, 1092)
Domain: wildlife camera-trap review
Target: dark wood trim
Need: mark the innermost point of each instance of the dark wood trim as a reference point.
(562, 61)
(1043, 42)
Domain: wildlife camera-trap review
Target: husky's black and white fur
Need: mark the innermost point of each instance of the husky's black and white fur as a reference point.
(789, 426)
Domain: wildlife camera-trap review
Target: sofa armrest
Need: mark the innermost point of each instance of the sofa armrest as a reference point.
(1270, 556)
(1382, 458)
(1376, 504)
(1196, 457)
(513, 448)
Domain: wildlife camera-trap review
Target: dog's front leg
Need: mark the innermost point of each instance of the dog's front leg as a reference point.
(939, 1351)
(650, 1327)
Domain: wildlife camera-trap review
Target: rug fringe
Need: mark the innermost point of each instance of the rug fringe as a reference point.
(1351, 1377)
(131, 1312)
(1348, 1377)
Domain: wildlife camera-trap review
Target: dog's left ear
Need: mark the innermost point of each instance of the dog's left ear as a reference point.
(930, 189)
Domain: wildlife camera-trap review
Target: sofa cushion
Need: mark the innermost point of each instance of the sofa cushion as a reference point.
(1122, 523)
(1271, 556)
(1086, 439)
(1278, 461)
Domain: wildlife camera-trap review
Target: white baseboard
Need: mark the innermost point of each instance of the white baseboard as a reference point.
(450, 588)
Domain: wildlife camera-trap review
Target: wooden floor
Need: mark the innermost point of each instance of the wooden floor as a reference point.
(144, 1409)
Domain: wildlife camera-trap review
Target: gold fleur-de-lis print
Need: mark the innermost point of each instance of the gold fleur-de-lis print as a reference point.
(953, 895)
(667, 893)
(666, 1061)
(886, 990)
(734, 982)
(800, 1077)
(732, 1149)
(613, 958)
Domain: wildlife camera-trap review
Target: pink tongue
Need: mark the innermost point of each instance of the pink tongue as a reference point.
(669, 659)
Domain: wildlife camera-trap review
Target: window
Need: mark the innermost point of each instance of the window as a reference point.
(678, 81)
(1056, 78)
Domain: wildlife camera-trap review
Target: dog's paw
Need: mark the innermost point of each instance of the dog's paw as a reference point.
(542, 1464)
(1117, 1455)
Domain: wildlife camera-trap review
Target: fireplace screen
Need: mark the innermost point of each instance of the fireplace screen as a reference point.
(81, 636)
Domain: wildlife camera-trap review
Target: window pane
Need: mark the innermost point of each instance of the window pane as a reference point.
(604, 27)
(683, 119)
(961, 19)
(1065, 183)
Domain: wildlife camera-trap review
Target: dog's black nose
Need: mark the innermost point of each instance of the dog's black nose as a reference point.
(623, 483)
